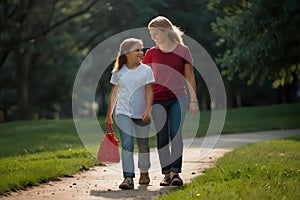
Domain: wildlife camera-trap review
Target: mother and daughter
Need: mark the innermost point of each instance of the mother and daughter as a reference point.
(141, 86)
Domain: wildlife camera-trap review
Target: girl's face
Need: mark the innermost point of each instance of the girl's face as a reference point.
(157, 35)
(135, 54)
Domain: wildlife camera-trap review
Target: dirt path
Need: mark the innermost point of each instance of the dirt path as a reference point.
(102, 182)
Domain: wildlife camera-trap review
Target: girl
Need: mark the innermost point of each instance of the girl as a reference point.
(132, 96)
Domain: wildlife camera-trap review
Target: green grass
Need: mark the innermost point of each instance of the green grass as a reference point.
(250, 119)
(33, 152)
(30, 151)
(28, 137)
(272, 117)
(21, 171)
(264, 170)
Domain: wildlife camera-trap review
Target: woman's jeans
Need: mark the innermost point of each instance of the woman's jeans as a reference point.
(168, 117)
(127, 126)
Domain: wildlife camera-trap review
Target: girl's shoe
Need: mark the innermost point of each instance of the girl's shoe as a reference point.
(127, 184)
(144, 178)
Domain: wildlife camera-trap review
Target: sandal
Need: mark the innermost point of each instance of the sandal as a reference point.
(176, 180)
(166, 181)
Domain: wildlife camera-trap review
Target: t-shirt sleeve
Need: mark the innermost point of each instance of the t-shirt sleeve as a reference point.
(114, 79)
(147, 58)
(150, 76)
(188, 56)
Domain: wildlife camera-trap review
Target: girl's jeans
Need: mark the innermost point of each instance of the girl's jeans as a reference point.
(168, 117)
(127, 126)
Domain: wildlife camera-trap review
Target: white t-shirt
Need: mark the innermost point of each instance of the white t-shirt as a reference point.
(131, 97)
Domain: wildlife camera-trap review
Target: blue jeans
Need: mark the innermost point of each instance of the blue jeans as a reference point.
(168, 117)
(127, 126)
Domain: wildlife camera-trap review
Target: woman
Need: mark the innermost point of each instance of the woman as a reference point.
(132, 95)
(171, 63)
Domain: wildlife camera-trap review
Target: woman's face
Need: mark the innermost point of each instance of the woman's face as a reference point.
(135, 54)
(157, 35)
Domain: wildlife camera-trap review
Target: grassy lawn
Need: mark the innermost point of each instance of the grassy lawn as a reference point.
(249, 119)
(34, 152)
(32, 169)
(31, 137)
(264, 170)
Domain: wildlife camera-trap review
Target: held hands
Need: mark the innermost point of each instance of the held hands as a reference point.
(146, 116)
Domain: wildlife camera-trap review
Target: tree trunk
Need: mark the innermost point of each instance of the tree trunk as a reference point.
(288, 93)
(238, 98)
(205, 100)
(22, 83)
(102, 100)
(3, 56)
(229, 96)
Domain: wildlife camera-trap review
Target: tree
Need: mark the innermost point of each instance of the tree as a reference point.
(37, 37)
(261, 39)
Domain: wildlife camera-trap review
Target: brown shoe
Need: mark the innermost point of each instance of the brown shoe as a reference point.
(144, 178)
(127, 184)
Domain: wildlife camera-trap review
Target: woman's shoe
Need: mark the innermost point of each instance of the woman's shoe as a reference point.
(176, 180)
(166, 181)
(144, 178)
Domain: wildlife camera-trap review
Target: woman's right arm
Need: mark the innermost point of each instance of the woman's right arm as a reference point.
(112, 99)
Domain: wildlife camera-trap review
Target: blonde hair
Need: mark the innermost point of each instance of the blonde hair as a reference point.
(164, 24)
(125, 46)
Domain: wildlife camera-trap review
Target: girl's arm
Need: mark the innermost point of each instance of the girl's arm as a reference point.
(149, 101)
(112, 99)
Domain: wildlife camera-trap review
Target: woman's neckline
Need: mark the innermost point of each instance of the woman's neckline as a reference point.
(168, 51)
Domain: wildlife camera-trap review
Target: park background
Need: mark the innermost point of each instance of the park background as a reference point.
(255, 45)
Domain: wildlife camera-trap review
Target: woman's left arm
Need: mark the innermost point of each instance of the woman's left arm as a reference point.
(190, 77)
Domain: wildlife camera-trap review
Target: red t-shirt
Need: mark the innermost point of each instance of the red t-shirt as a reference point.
(168, 70)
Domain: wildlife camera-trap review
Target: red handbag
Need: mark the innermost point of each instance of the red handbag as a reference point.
(108, 150)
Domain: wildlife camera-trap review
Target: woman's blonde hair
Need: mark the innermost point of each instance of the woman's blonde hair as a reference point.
(164, 24)
(125, 46)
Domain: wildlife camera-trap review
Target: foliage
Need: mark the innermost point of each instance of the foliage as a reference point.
(264, 170)
(43, 44)
(40, 59)
(36, 44)
(260, 38)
